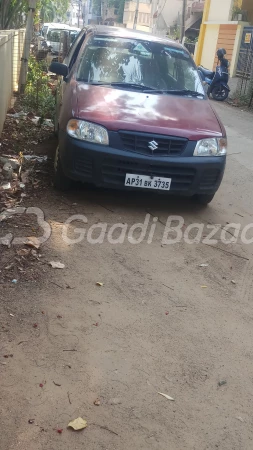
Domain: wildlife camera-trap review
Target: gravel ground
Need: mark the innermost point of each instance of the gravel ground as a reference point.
(161, 321)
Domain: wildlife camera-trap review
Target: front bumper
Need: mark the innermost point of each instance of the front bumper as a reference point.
(105, 166)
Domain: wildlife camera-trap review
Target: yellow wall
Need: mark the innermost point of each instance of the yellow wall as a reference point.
(223, 33)
(209, 47)
(220, 10)
(212, 41)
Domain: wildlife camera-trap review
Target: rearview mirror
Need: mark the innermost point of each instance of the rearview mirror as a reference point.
(59, 69)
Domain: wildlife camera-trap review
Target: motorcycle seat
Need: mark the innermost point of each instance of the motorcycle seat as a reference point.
(207, 73)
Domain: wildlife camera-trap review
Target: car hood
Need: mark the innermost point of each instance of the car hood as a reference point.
(119, 109)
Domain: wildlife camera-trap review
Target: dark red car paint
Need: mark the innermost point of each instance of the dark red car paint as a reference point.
(118, 109)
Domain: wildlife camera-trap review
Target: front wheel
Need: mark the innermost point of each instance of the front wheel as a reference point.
(220, 93)
(60, 181)
(204, 199)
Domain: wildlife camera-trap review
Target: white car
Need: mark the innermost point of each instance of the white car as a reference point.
(50, 37)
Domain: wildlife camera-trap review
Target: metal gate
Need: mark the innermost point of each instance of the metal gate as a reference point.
(245, 60)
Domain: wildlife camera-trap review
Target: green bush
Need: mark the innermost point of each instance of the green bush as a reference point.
(38, 96)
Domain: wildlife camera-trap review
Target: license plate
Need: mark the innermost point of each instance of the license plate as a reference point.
(148, 182)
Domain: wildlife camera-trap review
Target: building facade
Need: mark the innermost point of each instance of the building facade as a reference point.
(76, 13)
(144, 22)
(167, 16)
(224, 25)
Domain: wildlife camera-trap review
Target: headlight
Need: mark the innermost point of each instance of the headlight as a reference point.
(87, 131)
(211, 147)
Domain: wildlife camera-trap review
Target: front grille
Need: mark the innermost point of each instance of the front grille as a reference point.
(83, 165)
(115, 170)
(209, 178)
(139, 143)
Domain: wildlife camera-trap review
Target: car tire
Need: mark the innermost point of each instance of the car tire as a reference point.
(204, 199)
(220, 94)
(60, 181)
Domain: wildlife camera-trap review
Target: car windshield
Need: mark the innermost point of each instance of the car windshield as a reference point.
(44, 31)
(54, 35)
(151, 64)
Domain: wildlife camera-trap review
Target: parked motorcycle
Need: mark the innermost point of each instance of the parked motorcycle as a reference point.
(217, 81)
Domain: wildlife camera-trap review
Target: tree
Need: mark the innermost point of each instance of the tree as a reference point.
(50, 10)
(121, 7)
(13, 12)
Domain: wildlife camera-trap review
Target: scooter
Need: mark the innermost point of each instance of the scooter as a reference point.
(217, 82)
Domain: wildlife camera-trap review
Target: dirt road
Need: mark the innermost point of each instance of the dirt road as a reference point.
(159, 323)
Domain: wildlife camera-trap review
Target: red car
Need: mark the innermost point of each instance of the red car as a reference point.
(132, 114)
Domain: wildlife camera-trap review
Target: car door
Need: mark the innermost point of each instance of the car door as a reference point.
(69, 60)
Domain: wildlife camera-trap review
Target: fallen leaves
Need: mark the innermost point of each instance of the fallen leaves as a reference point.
(56, 265)
(35, 325)
(23, 252)
(78, 424)
(166, 396)
(97, 402)
(33, 242)
(98, 283)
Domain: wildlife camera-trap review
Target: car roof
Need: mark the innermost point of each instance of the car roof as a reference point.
(58, 25)
(131, 34)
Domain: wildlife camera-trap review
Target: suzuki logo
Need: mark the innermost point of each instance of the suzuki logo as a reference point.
(153, 145)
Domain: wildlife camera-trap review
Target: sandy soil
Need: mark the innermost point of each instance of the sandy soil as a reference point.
(152, 327)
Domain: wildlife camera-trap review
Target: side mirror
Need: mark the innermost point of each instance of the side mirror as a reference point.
(59, 69)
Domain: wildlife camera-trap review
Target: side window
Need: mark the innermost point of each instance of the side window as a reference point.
(74, 50)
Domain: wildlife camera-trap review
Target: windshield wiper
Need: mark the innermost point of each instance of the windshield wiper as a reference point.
(177, 92)
(132, 85)
(186, 92)
(122, 84)
(96, 83)
(146, 89)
